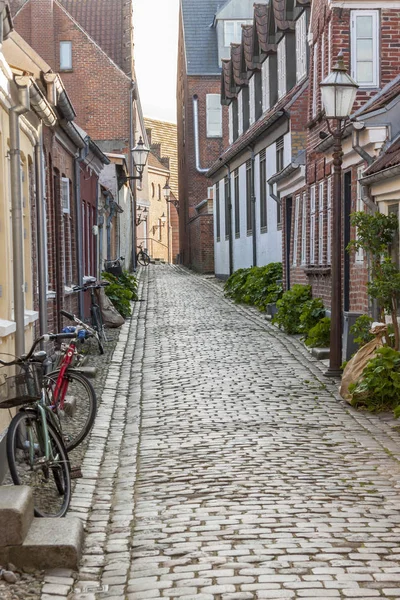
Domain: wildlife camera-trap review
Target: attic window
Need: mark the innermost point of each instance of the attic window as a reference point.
(65, 56)
(233, 32)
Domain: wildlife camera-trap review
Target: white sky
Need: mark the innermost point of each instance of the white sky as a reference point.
(156, 47)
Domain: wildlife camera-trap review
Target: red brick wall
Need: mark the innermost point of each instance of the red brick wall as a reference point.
(202, 243)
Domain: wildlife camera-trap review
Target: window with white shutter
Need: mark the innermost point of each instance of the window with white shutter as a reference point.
(65, 195)
(321, 223)
(365, 47)
(329, 221)
(265, 84)
(252, 100)
(240, 113)
(214, 115)
(312, 224)
(304, 230)
(233, 31)
(315, 81)
(281, 68)
(301, 46)
(296, 229)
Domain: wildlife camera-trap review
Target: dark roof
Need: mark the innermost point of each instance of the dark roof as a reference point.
(389, 158)
(200, 36)
(280, 12)
(261, 21)
(382, 98)
(104, 22)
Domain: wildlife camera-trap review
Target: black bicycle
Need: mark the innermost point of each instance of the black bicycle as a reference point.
(142, 258)
(96, 319)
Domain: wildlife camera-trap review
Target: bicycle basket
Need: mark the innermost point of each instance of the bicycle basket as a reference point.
(22, 388)
(113, 266)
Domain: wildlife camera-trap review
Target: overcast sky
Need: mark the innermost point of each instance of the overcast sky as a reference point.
(156, 45)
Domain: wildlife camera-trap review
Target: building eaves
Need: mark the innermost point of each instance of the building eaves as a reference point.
(227, 84)
(387, 160)
(247, 44)
(282, 23)
(261, 23)
(380, 100)
(5, 14)
(236, 58)
(291, 168)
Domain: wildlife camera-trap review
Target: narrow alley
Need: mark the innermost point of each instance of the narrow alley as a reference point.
(230, 469)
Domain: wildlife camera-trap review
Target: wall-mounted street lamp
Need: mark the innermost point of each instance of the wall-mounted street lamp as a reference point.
(167, 196)
(142, 215)
(140, 154)
(338, 92)
(163, 220)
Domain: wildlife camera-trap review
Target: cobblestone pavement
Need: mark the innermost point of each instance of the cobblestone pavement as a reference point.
(223, 466)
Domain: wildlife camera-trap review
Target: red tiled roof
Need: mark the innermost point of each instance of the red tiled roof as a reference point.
(227, 83)
(104, 22)
(382, 98)
(281, 22)
(261, 20)
(389, 158)
(236, 57)
(247, 44)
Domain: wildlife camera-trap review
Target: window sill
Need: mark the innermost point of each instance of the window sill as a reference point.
(218, 239)
(317, 270)
(51, 295)
(237, 236)
(66, 70)
(249, 233)
(214, 137)
(264, 229)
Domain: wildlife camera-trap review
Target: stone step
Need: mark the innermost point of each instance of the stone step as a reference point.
(50, 543)
(16, 514)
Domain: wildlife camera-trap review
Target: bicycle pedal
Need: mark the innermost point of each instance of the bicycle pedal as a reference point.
(76, 473)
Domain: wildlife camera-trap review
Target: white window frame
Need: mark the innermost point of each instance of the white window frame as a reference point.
(374, 83)
(214, 129)
(252, 112)
(237, 33)
(66, 55)
(301, 46)
(240, 113)
(322, 56)
(304, 230)
(296, 229)
(321, 191)
(65, 195)
(281, 55)
(315, 81)
(312, 223)
(230, 118)
(330, 46)
(359, 208)
(329, 221)
(265, 85)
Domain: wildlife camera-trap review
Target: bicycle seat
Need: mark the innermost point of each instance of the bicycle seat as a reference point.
(39, 356)
(89, 280)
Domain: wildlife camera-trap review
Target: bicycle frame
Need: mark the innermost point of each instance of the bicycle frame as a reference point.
(61, 388)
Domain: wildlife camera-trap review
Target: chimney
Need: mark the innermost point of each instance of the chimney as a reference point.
(42, 30)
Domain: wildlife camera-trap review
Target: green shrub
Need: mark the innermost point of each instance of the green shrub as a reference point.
(129, 281)
(312, 312)
(319, 335)
(361, 330)
(256, 286)
(121, 290)
(290, 307)
(379, 387)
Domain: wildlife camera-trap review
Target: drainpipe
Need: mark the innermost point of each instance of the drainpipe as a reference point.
(108, 227)
(132, 182)
(41, 228)
(356, 145)
(253, 202)
(196, 134)
(79, 230)
(22, 107)
(227, 167)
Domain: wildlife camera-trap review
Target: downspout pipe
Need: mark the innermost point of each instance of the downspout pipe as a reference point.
(79, 229)
(363, 153)
(196, 134)
(227, 167)
(253, 206)
(108, 227)
(41, 229)
(131, 169)
(16, 111)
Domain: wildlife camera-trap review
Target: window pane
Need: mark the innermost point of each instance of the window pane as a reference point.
(65, 55)
(364, 26)
(365, 50)
(229, 32)
(365, 72)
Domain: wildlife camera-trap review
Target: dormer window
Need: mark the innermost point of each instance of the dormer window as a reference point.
(233, 32)
(281, 68)
(365, 47)
(252, 100)
(265, 85)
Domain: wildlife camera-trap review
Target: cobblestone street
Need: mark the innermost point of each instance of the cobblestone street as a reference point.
(223, 466)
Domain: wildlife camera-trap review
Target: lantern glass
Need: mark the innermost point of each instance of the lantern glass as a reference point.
(140, 154)
(167, 191)
(338, 92)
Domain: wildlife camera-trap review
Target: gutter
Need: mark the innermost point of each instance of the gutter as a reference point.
(41, 106)
(381, 175)
(328, 142)
(23, 106)
(199, 169)
(73, 134)
(286, 172)
(41, 229)
(59, 95)
(253, 207)
(230, 220)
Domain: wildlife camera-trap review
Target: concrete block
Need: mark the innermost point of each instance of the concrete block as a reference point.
(16, 514)
(320, 353)
(50, 543)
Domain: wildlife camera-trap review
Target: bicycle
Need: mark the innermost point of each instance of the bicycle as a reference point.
(36, 453)
(96, 318)
(114, 266)
(142, 257)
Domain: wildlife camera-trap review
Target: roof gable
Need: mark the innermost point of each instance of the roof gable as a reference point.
(237, 9)
(200, 36)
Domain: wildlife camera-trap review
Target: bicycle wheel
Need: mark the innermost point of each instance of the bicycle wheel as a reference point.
(97, 322)
(143, 258)
(80, 407)
(48, 477)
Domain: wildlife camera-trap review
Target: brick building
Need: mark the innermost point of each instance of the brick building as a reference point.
(206, 30)
(266, 91)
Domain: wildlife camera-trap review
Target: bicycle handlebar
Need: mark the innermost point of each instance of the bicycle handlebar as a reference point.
(85, 287)
(92, 331)
(47, 337)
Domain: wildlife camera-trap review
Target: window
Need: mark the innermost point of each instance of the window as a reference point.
(265, 85)
(65, 56)
(365, 47)
(233, 32)
(315, 81)
(359, 208)
(159, 230)
(217, 214)
(252, 93)
(240, 113)
(279, 154)
(322, 57)
(263, 192)
(312, 224)
(159, 192)
(281, 68)
(214, 115)
(65, 195)
(237, 203)
(153, 190)
(227, 208)
(230, 115)
(321, 223)
(296, 228)
(246, 108)
(301, 46)
(304, 230)
(330, 47)
(329, 221)
(249, 198)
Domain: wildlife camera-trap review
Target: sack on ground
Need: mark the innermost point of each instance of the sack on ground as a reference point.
(356, 365)
(110, 315)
